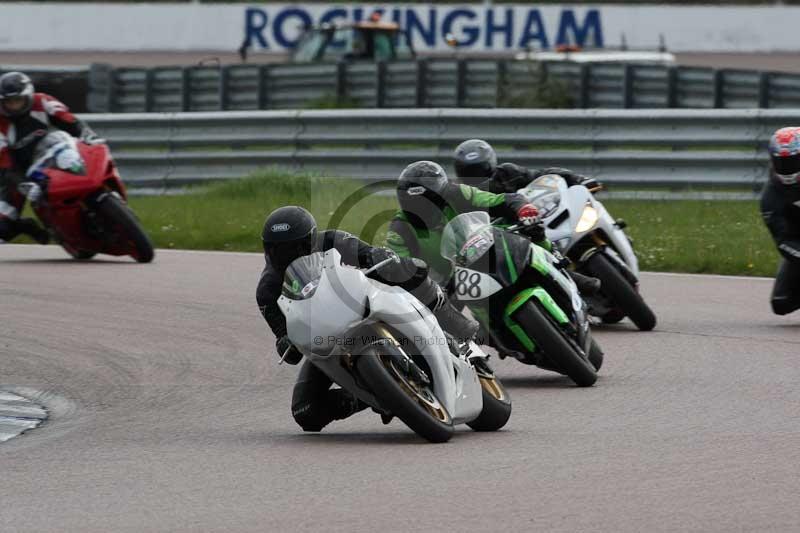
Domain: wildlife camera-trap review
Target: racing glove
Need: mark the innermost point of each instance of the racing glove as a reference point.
(527, 214)
(590, 183)
(377, 255)
(287, 351)
(535, 232)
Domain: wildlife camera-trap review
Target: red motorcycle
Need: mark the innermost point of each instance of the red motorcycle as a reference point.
(82, 200)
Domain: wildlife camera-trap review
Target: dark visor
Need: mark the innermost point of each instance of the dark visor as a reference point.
(786, 166)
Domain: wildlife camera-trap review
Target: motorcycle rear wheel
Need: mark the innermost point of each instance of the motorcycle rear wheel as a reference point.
(115, 211)
(553, 342)
(414, 404)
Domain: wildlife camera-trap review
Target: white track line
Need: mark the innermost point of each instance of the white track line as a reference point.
(17, 415)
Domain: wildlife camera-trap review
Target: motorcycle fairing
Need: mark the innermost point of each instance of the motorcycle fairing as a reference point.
(344, 301)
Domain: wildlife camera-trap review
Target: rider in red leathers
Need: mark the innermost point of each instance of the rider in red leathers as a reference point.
(25, 117)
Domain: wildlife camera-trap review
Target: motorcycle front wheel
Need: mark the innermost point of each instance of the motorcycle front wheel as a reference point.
(553, 342)
(117, 213)
(614, 285)
(413, 403)
(496, 401)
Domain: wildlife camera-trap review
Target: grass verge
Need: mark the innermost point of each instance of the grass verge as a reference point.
(720, 237)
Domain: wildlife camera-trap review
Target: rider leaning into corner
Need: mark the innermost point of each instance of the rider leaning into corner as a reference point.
(291, 232)
(476, 165)
(429, 200)
(25, 116)
(780, 207)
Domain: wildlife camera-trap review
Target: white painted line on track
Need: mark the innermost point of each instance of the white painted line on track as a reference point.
(17, 415)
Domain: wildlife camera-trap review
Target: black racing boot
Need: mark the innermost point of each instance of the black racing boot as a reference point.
(345, 404)
(587, 285)
(455, 323)
(28, 226)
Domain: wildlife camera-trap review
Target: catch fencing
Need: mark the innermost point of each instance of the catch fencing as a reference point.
(436, 83)
(628, 148)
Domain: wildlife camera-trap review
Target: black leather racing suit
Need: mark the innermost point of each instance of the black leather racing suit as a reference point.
(314, 404)
(509, 178)
(780, 207)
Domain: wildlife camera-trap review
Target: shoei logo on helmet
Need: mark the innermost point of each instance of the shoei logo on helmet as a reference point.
(281, 227)
(416, 191)
(472, 155)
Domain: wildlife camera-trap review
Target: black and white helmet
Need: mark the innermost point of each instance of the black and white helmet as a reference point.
(289, 232)
(16, 94)
(475, 161)
(420, 193)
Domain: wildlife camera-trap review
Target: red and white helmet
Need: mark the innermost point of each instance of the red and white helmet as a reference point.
(784, 152)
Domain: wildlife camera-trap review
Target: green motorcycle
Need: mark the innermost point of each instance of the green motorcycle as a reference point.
(527, 306)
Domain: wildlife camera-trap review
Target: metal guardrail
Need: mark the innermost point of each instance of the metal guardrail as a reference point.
(625, 147)
(434, 83)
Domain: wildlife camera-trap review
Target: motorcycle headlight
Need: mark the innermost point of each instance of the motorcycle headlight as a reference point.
(588, 219)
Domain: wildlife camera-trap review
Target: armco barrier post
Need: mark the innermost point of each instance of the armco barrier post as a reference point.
(764, 83)
(584, 86)
(341, 82)
(380, 84)
(185, 97)
(149, 76)
(672, 87)
(627, 86)
(224, 92)
(461, 82)
(502, 83)
(422, 81)
(262, 86)
(719, 89)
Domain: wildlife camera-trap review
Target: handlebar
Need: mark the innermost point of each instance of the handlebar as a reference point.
(514, 227)
(376, 266)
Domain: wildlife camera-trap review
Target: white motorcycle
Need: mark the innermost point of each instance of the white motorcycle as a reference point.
(581, 229)
(387, 348)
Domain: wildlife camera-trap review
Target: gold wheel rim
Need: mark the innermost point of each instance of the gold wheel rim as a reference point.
(422, 395)
(493, 387)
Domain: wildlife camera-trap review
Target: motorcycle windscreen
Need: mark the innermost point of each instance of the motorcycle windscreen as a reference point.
(302, 277)
(467, 238)
(544, 193)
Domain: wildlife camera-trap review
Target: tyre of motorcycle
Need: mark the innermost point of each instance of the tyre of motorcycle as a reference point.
(621, 292)
(596, 355)
(413, 403)
(117, 213)
(553, 342)
(496, 401)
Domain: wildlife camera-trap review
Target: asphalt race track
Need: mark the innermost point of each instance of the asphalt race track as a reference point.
(170, 413)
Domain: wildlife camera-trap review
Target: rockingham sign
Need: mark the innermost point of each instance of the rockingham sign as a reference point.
(273, 27)
(476, 27)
